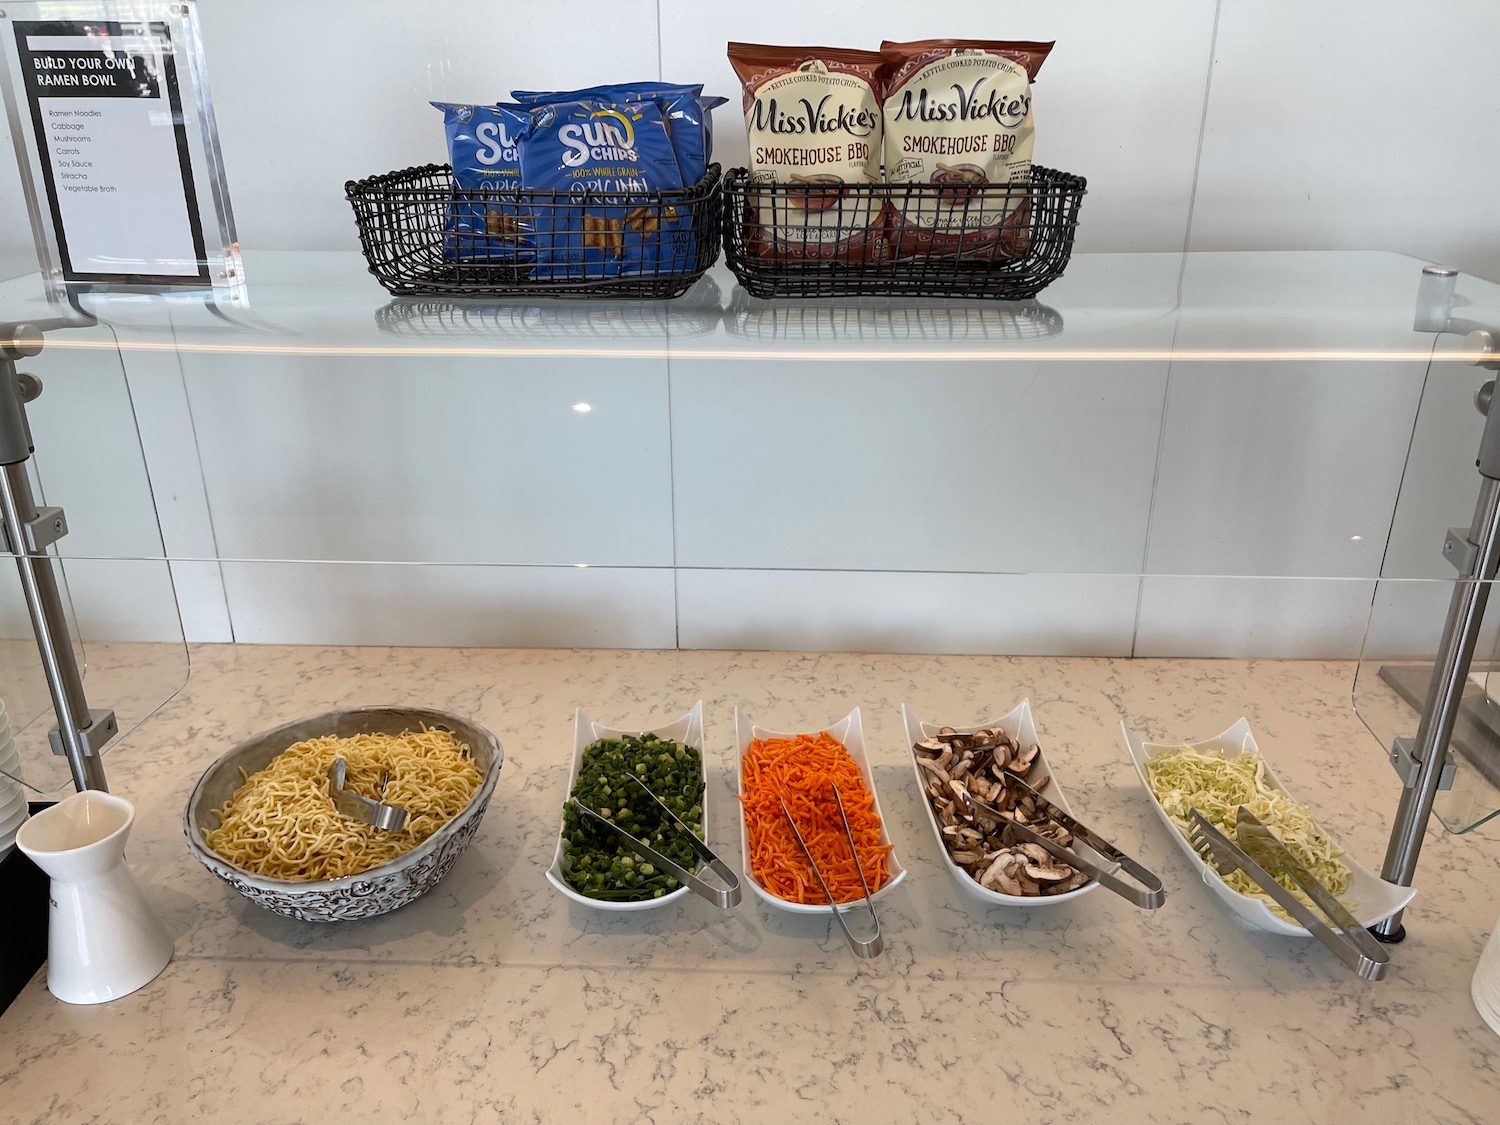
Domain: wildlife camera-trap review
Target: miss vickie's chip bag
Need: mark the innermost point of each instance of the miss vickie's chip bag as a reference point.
(957, 113)
(814, 122)
(484, 149)
(597, 158)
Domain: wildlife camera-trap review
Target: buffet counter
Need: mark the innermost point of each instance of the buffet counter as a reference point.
(495, 999)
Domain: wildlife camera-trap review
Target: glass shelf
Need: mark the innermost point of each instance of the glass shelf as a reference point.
(331, 464)
(1221, 307)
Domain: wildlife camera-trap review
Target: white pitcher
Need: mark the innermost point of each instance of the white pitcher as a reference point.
(102, 939)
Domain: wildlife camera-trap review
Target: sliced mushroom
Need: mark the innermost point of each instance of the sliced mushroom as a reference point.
(1037, 853)
(932, 745)
(1048, 874)
(1005, 884)
(993, 869)
(931, 766)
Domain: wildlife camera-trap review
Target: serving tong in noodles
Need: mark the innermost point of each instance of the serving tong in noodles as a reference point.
(1260, 854)
(722, 897)
(1148, 895)
(356, 806)
(863, 947)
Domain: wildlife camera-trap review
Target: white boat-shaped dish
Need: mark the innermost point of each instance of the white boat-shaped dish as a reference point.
(1372, 897)
(687, 730)
(849, 732)
(1018, 725)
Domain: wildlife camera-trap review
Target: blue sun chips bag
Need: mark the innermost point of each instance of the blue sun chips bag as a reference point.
(602, 159)
(687, 113)
(484, 148)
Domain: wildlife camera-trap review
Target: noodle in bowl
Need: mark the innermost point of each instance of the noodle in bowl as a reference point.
(397, 868)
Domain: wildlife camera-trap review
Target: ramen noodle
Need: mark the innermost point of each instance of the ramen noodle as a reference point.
(813, 119)
(957, 113)
(282, 822)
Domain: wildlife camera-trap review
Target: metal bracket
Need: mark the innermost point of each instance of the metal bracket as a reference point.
(37, 534)
(1459, 551)
(1406, 764)
(102, 727)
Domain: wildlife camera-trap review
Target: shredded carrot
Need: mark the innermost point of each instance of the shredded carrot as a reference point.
(802, 770)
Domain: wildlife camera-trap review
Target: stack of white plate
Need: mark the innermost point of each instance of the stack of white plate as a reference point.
(13, 807)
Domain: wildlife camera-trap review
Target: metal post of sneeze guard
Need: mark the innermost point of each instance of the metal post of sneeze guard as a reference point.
(81, 732)
(1475, 553)
(113, 124)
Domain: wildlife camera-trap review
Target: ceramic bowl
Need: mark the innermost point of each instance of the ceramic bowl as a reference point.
(379, 890)
(687, 730)
(1018, 724)
(850, 732)
(1373, 898)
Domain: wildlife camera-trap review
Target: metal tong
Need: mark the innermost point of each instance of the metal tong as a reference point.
(1261, 855)
(1148, 896)
(724, 898)
(863, 947)
(356, 806)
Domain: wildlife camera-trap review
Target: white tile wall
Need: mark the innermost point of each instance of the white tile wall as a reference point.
(898, 612)
(1353, 124)
(482, 606)
(1287, 618)
(456, 460)
(1031, 466)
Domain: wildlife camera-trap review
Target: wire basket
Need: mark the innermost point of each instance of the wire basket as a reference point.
(422, 236)
(955, 239)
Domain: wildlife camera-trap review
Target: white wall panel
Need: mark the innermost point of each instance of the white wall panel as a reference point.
(446, 459)
(1009, 466)
(481, 606)
(813, 611)
(1241, 618)
(1353, 124)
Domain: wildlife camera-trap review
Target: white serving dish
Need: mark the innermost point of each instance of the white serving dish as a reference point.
(848, 731)
(1018, 725)
(687, 730)
(1374, 899)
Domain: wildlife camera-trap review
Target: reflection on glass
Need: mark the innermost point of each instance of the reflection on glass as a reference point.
(1391, 688)
(884, 318)
(696, 313)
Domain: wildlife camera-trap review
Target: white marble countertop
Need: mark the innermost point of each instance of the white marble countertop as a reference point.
(494, 999)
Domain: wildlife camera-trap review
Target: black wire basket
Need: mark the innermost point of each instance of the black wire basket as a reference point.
(954, 239)
(422, 236)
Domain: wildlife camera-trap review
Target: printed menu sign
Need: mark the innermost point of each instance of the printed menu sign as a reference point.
(108, 124)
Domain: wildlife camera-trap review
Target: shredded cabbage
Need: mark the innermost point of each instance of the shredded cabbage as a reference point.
(1216, 785)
